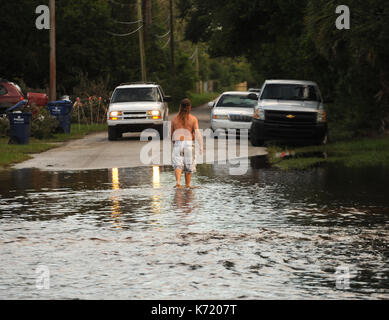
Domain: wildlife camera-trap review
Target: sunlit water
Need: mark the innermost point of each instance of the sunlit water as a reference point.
(129, 234)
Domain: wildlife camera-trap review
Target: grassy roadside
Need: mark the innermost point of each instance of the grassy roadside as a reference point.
(354, 154)
(11, 154)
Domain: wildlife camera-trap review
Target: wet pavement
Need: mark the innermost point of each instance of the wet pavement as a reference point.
(129, 234)
(95, 152)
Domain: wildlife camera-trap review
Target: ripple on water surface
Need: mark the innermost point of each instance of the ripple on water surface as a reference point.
(129, 234)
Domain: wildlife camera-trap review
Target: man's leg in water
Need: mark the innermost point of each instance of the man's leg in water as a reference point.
(178, 177)
(188, 178)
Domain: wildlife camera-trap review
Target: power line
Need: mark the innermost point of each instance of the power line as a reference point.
(122, 4)
(166, 44)
(132, 22)
(163, 36)
(193, 56)
(125, 34)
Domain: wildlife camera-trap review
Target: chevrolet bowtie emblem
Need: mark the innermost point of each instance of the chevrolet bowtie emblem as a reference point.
(290, 116)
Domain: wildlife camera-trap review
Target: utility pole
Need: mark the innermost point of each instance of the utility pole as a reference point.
(147, 18)
(53, 62)
(173, 66)
(141, 42)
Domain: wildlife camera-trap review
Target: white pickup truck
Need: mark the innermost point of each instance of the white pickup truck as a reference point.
(289, 110)
(136, 107)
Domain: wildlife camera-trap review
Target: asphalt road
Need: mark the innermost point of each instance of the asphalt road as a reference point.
(96, 152)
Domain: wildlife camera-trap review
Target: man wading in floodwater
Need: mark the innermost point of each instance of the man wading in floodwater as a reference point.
(184, 132)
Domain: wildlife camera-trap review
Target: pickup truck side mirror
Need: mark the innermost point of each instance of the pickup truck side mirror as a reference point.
(211, 104)
(167, 99)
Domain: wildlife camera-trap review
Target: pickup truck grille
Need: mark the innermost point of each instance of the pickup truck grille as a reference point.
(240, 118)
(290, 117)
(128, 115)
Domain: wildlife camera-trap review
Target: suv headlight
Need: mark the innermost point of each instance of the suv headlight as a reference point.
(259, 114)
(113, 115)
(321, 116)
(155, 114)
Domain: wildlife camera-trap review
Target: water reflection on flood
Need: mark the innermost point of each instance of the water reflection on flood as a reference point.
(115, 199)
(129, 233)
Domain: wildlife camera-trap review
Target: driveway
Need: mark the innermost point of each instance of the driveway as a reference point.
(96, 152)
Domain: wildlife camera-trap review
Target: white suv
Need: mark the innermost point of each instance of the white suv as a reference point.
(136, 107)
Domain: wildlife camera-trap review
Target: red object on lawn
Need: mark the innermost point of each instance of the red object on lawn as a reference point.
(11, 94)
(39, 99)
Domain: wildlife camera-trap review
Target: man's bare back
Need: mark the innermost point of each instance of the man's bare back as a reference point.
(184, 132)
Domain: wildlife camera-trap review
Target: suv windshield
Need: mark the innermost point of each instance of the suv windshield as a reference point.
(237, 101)
(290, 92)
(136, 95)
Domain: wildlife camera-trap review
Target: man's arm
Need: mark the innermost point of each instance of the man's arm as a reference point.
(171, 129)
(198, 136)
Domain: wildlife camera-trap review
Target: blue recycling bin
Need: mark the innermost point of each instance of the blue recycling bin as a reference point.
(62, 110)
(20, 124)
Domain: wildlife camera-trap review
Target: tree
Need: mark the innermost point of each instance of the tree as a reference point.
(298, 39)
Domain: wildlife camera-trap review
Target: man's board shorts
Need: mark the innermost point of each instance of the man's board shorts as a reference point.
(183, 157)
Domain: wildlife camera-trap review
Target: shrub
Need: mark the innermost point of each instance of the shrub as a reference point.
(4, 127)
(43, 124)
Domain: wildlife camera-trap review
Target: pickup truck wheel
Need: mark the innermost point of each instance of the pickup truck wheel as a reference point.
(112, 134)
(160, 131)
(255, 141)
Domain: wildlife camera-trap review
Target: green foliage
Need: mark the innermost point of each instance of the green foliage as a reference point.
(200, 99)
(4, 127)
(91, 61)
(43, 124)
(298, 40)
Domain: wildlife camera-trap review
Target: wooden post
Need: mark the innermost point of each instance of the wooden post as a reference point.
(53, 63)
(141, 42)
(147, 19)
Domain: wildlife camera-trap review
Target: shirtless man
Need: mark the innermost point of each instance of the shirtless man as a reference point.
(184, 132)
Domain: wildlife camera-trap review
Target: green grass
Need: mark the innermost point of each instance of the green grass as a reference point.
(354, 154)
(78, 132)
(11, 154)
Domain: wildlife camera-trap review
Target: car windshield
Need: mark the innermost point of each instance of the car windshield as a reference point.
(135, 95)
(290, 92)
(237, 101)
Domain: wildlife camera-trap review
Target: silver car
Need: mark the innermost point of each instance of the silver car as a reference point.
(232, 110)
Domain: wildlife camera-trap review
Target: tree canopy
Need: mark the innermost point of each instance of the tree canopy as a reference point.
(299, 40)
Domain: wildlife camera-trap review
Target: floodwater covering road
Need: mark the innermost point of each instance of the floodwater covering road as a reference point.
(129, 234)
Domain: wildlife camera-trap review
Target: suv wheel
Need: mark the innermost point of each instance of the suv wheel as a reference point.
(112, 134)
(255, 141)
